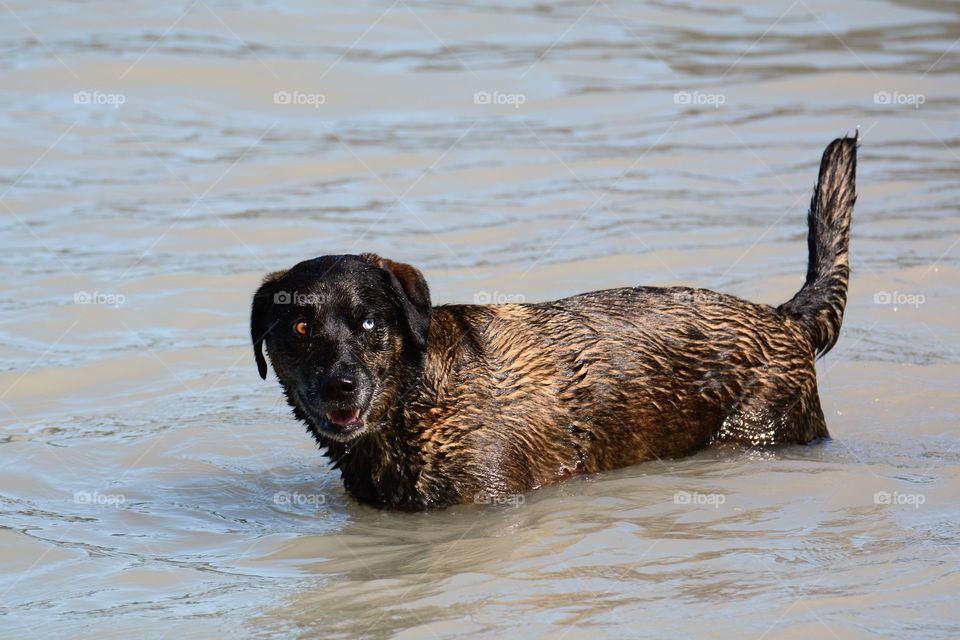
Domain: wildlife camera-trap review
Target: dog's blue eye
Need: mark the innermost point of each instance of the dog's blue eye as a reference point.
(368, 324)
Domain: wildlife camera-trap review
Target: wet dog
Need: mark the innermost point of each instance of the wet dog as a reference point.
(422, 406)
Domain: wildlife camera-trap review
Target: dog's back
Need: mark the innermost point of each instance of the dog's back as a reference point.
(607, 379)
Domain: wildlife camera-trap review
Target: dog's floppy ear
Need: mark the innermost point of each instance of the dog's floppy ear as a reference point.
(260, 317)
(416, 294)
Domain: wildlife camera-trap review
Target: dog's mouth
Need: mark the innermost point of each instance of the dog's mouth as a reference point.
(337, 421)
(341, 424)
(344, 420)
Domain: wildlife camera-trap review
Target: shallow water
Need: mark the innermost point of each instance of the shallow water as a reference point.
(152, 485)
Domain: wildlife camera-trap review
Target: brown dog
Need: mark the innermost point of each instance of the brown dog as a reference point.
(423, 406)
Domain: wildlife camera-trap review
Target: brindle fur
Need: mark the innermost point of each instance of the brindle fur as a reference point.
(473, 402)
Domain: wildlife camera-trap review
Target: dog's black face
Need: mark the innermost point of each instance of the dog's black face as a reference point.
(344, 334)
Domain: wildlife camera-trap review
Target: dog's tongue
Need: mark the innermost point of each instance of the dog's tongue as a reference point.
(344, 417)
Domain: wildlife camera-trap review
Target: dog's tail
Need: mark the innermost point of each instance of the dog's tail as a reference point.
(818, 306)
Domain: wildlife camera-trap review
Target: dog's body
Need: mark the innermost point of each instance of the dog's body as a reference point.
(422, 406)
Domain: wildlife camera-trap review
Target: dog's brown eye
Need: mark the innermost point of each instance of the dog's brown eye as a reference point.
(301, 328)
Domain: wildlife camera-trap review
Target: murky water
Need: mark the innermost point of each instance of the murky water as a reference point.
(158, 158)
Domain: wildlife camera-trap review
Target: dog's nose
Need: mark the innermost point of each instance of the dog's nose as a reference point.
(339, 386)
(345, 385)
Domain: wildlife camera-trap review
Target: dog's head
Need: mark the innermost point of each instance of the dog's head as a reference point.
(343, 334)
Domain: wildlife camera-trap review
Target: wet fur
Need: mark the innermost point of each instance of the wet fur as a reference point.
(479, 402)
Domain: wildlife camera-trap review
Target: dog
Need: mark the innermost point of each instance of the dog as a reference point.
(425, 407)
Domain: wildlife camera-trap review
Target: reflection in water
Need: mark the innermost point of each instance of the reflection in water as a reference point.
(159, 159)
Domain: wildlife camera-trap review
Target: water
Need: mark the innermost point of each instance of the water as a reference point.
(150, 174)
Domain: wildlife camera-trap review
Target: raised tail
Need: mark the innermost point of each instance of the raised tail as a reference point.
(818, 306)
